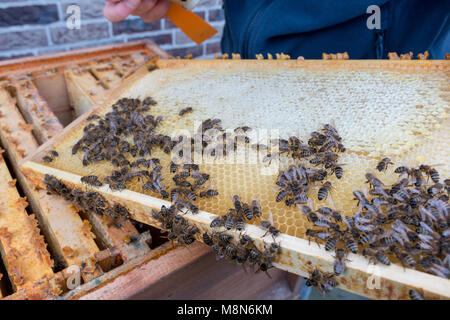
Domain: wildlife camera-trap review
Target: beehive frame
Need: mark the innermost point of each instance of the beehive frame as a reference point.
(297, 255)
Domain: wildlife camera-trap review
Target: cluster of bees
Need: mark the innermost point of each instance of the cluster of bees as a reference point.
(321, 150)
(52, 154)
(89, 201)
(217, 142)
(235, 217)
(243, 251)
(407, 221)
(127, 130)
(189, 186)
(178, 228)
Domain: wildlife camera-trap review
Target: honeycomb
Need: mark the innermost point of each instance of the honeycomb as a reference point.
(396, 110)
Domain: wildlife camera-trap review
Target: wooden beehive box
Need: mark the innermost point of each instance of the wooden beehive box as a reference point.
(397, 109)
(43, 237)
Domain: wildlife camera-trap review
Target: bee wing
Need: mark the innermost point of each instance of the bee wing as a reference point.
(331, 202)
(310, 203)
(271, 217)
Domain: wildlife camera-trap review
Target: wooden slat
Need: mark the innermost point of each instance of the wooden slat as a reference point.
(123, 270)
(107, 75)
(84, 90)
(92, 86)
(23, 248)
(130, 64)
(193, 273)
(137, 280)
(68, 235)
(120, 237)
(53, 286)
(64, 59)
(36, 111)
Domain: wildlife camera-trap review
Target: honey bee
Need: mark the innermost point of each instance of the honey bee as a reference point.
(241, 255)
(339, 263)
(185, 111)
(281, 195)
(191, 195)
(360, 197)
(404, 257)
(173, 167)
(373, 181)
(269, 229)
(318, 234)
(351, 245)
(383, 164)
(414, 295)
(218, 251)
(230, 251)
(323, 191)
(208, 194)
(254, 255)
(217, 222)
(117, 186)
(230, 221)
(256, 208)
(266, 257)
(246, 241)
(435, 189)
(375, 255)
(323, 282)
(91, 180)
(239, 223)
(417, 177)
(430, 172)
(337, 170)
(237, 202)
(330, 244)
(200, 178)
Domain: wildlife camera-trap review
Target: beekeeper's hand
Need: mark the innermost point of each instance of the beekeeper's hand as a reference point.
(148, 10)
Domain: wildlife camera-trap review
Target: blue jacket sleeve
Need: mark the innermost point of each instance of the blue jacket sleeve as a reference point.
(310, 27)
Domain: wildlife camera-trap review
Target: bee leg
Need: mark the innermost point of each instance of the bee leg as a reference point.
(317, 243)
(403, 265)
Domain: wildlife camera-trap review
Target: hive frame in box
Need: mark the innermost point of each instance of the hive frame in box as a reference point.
(26, 86)
(24, 110)
(297, 255)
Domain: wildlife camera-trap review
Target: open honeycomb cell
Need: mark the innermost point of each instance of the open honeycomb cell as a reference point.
(399, 111)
